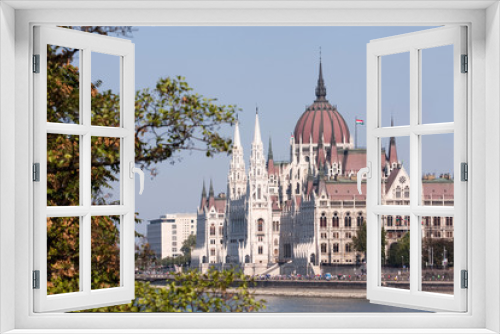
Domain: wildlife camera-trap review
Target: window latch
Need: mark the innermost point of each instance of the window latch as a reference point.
(132, 171)
(365, 170)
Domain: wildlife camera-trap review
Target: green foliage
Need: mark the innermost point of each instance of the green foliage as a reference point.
(399, 253)
(215, 291)
(438, 246)
(169, 118)
(359, 240)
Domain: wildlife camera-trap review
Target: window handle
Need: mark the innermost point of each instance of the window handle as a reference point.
(365, 170)
(132, 171)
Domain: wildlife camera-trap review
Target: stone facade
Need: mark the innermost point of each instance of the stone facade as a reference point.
(303, 213)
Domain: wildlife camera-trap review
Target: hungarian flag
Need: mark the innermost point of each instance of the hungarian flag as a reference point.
(359, 121)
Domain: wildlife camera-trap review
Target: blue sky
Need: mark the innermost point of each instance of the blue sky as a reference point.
(276, 68)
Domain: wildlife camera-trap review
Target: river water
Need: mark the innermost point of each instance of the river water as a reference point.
(289, 304)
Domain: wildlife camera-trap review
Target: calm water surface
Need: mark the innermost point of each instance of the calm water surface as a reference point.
(322, 304)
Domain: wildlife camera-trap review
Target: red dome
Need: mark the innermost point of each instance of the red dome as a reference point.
(321, 117)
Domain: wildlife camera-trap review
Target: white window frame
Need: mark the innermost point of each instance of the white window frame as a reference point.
(483, 20)
(123, 49)
(414, 43)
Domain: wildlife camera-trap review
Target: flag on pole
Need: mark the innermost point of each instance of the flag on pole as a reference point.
(360, 121)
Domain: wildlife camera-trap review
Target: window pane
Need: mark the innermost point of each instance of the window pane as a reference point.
(105, 90)
(395, 89)
(105, 252)
(395, 256)
(395, 183)
(63, 84)
(63, 170)
(437, 254)
(63, 255)
(105, 171)
(437, 84)
(437, 170)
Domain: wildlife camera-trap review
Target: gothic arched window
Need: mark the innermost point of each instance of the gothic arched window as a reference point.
(335, 248)
(359, 219)
(398, 192)
(389, 220)
(407, 192)
(260, 225)
(335, 220)
(323, 248)
(212, 229)
(322, 221)
(347, 220)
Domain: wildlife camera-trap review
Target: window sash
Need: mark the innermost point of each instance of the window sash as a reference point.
(86, 297)
(413, 43)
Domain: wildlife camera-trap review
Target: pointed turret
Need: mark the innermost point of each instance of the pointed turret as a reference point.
(211, 196)
(270, 159)
(236, 181)
(270, 150)
(393, 154)
(256, 134)
(237, 140)
(320, 88)
(203, 197)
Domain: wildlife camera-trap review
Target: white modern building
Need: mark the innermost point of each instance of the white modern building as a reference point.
(167, 233)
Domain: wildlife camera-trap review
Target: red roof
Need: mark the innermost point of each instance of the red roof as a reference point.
(438, 190)
(354, 160)
(333, 123)
(220, 205)
(391, 178)
(344, 191)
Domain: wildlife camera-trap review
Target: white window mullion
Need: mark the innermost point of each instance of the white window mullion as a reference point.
(415, 178)
(127, 122)
(86, 171)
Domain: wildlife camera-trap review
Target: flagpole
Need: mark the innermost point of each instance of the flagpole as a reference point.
(355, 131)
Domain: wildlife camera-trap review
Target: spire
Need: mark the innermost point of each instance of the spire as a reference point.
(236, 139)
(270, 150)
(203, 196)
(256, 134)
(393, 154)
(211, 197)
(270, 160)
(211, 191)
(320, 88)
